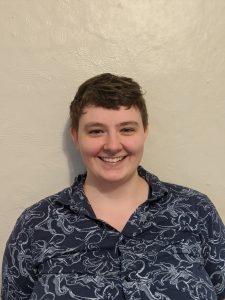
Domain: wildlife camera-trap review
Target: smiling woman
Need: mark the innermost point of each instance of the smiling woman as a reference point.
(111, 144)
(118, 232)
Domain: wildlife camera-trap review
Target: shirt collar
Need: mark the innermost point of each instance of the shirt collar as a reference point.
(157, 188)
(74, 196)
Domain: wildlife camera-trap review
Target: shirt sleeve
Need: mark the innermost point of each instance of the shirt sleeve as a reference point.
(18, 273)
(213, 235)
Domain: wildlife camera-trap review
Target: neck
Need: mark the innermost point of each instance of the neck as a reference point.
(113, 203)
(117, 192)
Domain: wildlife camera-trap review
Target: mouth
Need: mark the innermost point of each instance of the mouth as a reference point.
(112, 160)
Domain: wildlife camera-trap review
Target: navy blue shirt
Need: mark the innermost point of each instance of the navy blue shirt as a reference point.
(172, 248)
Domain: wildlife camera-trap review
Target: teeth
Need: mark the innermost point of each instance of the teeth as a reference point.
(112, 159)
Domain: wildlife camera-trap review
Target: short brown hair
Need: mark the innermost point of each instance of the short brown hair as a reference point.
(108, 91)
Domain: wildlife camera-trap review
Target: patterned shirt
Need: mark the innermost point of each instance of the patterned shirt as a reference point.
(172, 248)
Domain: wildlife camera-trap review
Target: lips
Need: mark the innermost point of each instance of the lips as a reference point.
(112, 160)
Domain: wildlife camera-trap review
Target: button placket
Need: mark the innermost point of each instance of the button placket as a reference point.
(123, 248)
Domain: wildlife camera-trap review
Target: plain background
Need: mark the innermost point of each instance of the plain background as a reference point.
(175, 49)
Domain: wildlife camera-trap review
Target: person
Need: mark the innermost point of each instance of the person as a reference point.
(118, 232)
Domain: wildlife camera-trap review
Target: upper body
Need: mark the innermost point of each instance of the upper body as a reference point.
(118, 232)
(172, 247)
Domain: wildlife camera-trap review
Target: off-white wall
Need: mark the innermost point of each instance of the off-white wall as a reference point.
(175, 49)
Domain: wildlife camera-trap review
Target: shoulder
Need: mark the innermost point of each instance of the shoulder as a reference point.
(185, 192)
(195, 201)
(50, 208)
(174, 191)
(178, 195)
(189, 194)
(45, 208)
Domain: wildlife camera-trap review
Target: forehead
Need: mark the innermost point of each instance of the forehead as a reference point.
(109, 117)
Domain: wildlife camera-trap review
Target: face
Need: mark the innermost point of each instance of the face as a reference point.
(111, 143)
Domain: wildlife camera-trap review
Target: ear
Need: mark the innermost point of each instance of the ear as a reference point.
(146, 132)
(74, 135)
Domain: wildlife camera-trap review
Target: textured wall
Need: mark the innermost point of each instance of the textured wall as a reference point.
(175, 49)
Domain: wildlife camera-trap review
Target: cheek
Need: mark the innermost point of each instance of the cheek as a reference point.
(136, 145)
(89, 148)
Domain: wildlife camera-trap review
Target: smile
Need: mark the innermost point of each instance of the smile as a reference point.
(112, 160)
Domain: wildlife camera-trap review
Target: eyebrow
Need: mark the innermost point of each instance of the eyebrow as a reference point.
(134, 123)
(98, 124)
(93, 124)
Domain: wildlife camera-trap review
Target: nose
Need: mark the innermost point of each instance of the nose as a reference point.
(112, 143)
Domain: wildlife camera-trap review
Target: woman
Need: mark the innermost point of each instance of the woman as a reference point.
(118, 232)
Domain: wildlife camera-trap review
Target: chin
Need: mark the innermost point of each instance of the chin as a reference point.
(117, 176)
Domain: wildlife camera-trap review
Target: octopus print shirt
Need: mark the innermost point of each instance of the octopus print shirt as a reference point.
(172, 248)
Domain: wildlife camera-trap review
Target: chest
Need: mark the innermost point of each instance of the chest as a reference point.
(149, 234)
(156, 251)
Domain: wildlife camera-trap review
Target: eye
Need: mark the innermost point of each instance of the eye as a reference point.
(95, 132)
(128, 130)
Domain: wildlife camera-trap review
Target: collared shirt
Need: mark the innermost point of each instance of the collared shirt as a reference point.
(172, 248)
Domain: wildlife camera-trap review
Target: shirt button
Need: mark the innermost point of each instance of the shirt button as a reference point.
(128, 279)
(123, 242)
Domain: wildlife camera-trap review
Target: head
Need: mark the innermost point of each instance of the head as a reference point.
(109, 128)
(108, 91)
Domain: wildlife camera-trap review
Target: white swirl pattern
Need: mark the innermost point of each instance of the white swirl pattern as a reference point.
(172, 248)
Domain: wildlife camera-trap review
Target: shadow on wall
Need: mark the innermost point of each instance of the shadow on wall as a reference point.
(74, 160)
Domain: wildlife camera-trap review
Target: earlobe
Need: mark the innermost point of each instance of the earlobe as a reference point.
(74, 136)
